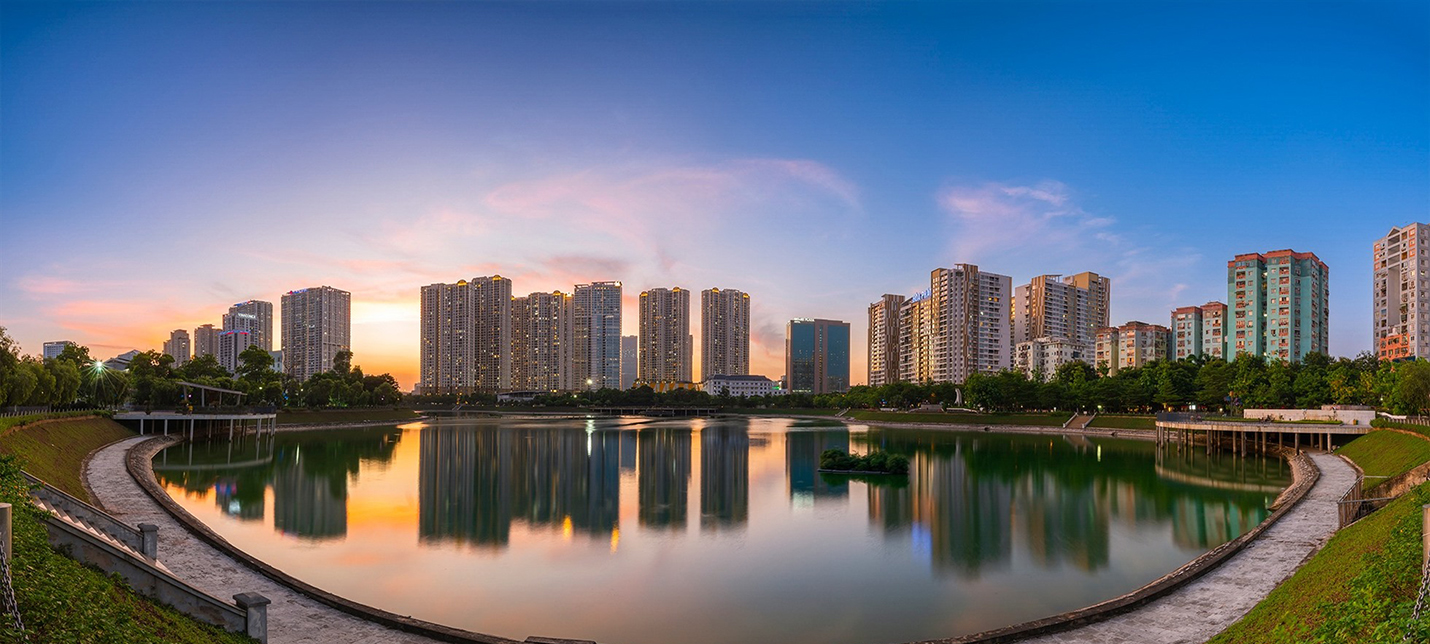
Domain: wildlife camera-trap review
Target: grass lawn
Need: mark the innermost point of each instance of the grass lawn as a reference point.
(780, 412)
(1359, 588)
(54, 449)
(1385, 453)
(1043, 420)
(62, 600)
(1419, 429)
(1110, 421)
(336, 416)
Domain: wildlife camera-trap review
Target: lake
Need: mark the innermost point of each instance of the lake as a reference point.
(650, 531)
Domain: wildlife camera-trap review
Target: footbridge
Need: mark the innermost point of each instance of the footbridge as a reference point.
(1238, 435)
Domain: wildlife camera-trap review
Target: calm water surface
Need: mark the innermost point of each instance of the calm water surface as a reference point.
(640, 531)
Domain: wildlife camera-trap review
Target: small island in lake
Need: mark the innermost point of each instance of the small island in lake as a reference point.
(876, 462)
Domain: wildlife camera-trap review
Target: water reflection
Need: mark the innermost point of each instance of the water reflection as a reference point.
(1098, 516)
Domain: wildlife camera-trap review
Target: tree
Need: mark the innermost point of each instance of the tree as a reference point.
(255, 365)
(1412, 387)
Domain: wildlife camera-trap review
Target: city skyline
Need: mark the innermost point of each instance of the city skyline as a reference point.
(455, 151)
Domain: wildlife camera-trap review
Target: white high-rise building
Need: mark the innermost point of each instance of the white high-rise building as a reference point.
(1053, 306)
(205, 341)
(177, 346)
(596, 327)
(1400, 297)
(317, 325)
(724, 333)
(466, 333)
(958, 327)
(541, 342)
(230, 346)
(665, 342)
(1040, 358)
(255, 317)
(883, 348)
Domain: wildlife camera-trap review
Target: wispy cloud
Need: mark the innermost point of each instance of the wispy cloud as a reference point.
(1004, 225)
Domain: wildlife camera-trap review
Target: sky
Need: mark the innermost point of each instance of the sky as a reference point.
(162, 161)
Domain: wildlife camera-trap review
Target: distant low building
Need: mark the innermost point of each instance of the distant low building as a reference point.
(121, 361)
(1044, 356)
(742, 386)
(54, 349)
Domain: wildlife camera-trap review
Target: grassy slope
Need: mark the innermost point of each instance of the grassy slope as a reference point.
(345, 416)
(63, 601)
(1111, 421)
(1385, 453)
(54, 450)
(1359, 588)
(1044, 420)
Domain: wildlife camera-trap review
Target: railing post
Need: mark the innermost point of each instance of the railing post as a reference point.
(1424, 534)
(255, 607)
(149, 540)
(7, 545)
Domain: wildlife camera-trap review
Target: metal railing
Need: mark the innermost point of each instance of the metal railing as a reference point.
(1354, 505)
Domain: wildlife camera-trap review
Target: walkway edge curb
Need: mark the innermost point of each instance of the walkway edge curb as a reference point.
(1306, 475)
(139, 462)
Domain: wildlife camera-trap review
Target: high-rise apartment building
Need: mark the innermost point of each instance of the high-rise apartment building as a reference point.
(883, 351)
(1042, 357)
(596, 324)
(255, 317)
(466, 336)
(231, 345)
(1053, 306)
(665, 342)
(1199, 331)
(1400, 298)
(541, 342)
(724, 333)
(1131, 345)
(630, 360)
(1278, 305)
(958, 327)
(177, 346)
(317, 324)
(817, 356)
(53, 350)
(205, 341)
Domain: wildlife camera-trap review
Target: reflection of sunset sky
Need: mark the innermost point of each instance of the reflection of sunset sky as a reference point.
(164, 160)
(926, 558)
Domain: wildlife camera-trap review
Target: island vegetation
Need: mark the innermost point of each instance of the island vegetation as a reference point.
(875, 462)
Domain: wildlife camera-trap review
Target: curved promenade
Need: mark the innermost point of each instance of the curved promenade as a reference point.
(1206, 606)
(292, 617)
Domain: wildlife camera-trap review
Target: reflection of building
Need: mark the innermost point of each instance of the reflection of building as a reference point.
(802, 450)
(724, 477)
(235, 499)
(967, 517)
(309, 506)
(1063, 521)
(474, 482)
(817, 356)
(664, 477)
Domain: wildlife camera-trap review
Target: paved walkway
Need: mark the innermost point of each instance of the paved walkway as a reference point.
(292, 617)
(1199, 610)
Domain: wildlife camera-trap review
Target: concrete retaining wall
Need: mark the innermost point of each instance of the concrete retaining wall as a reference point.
(151, 581)
(120, 531)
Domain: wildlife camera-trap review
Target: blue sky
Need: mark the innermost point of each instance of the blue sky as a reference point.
(159, 161)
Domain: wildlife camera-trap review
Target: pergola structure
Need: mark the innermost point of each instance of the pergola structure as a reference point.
(204, 389)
